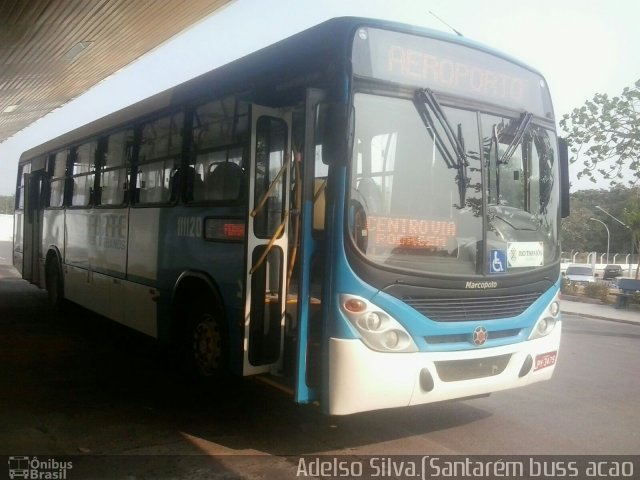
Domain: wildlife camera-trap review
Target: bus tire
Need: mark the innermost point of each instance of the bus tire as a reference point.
(54, 284)
(204, 349)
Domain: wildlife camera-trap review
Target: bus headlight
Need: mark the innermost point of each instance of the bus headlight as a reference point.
(373, 322)
(547, 321)
(377, 329)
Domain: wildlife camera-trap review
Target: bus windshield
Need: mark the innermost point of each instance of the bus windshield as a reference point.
(446, 180)
(417, 205)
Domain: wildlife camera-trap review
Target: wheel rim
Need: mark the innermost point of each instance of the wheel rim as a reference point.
(206, 345)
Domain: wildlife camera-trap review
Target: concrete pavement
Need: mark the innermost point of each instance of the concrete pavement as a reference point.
(599, 311)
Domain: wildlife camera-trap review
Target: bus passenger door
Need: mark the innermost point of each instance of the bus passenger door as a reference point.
(308, 372)
(32, 227)
(267, 240)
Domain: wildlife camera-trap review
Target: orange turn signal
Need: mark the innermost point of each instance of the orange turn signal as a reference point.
(354, 305)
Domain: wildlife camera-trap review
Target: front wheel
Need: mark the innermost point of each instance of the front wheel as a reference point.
(204, 346)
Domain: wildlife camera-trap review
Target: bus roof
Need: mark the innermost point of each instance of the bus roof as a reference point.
(317, 46)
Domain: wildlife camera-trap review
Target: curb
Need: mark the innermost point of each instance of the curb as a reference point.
(598, 317)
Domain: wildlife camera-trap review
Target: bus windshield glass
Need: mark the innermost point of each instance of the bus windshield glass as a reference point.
(415, 205)
(444, 181)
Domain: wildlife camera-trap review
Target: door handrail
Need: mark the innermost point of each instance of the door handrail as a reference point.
(275, 236)
(265, 195)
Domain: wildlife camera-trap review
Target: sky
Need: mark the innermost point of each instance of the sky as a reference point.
(582, 47)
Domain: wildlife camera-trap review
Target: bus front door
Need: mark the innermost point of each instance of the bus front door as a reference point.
(267, 240)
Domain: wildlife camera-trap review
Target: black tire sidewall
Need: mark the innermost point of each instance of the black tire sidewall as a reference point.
(55, 292)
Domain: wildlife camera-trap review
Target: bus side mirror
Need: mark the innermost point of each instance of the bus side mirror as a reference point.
(334, 131)
(563, 151)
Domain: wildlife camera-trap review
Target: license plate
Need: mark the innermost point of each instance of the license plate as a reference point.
(545, 360)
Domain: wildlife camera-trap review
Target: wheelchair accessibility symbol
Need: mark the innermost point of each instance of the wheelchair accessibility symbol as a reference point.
(498, 261)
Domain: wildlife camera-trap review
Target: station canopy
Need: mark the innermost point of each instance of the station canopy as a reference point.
(52, 51)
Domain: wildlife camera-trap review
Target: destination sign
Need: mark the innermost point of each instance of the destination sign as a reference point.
(449, 68)
(409, 232)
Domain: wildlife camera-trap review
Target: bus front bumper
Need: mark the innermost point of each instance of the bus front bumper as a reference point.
(361, 379)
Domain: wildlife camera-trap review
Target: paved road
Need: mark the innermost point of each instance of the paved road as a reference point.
(5, 252)
(83, 385)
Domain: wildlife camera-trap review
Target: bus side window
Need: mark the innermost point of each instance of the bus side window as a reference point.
(58, 170)
(158, 157)
(115, 167)
(153, 182)
(26, 168)
(83, 174)
(219, 130)
(221, 174)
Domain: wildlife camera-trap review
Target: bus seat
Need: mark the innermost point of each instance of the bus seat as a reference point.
(369, 194)
(224, 182)
(154, 195)
(176, 178)
(193, 187)
(196, 191)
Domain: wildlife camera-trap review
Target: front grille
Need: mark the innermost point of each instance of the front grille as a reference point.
(457, 370)
(472, 309)
(468, 337)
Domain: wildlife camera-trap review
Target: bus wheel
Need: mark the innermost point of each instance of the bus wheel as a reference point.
(205, 351)
(54, 285)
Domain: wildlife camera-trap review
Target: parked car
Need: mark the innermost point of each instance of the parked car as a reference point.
(611, 272)
(580, 274)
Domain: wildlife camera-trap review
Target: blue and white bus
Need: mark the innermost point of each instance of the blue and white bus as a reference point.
(366, 213)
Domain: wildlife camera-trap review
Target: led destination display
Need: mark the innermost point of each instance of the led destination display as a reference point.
(449, 68)
(409, 232)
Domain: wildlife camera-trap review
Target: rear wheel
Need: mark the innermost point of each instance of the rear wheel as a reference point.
(54, 284)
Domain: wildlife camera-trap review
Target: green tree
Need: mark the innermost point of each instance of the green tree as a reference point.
(580, 234)
(605, 134)
(631, 217)
(7, 203)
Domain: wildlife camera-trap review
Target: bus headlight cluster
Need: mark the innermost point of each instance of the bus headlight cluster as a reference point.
(547, 321)
(377, 329)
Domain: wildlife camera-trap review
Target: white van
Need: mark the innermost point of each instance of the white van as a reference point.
(580, 274)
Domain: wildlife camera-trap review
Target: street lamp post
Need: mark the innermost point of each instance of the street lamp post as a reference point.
(607, 213)
(624, 225)
(608, 236)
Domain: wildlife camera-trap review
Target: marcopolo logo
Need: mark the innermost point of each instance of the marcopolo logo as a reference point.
(480, 285)
(36, 469)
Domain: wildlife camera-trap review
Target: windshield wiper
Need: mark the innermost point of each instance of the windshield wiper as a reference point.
(525, 120)
(431, 112)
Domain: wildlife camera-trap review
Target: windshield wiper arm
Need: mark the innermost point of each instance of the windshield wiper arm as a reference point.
(429, 122)
(525, 120)
(455, 157)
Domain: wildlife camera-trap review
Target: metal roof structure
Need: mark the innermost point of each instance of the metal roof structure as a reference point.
(52, 51)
